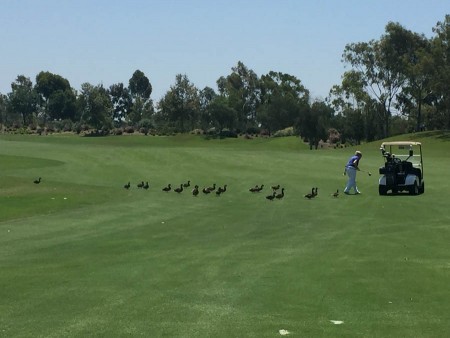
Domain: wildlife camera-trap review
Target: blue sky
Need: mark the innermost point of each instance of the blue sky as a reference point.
(105, 41)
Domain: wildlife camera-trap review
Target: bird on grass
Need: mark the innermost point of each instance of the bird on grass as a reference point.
(316, 191)
(187, 184)
(254, 189)
(168, 188)
(221, 190)
(280, 195)
(212, 188)
(140, 185)
(336, 194)
(127, 186)
(206, 190)
(37, 181)
(146, 186)
(311, 194)
(275, 187)
(261, 187)
(195, 191)
(271, 197)
(180, 189)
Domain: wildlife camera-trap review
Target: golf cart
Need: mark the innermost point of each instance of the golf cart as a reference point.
(402, 171)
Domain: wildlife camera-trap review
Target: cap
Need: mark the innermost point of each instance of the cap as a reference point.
(358, 153)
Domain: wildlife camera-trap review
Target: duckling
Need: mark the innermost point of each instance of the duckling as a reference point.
(275, 187)
(206, 191)
(271, 197)
(311, 194)
(37, 181)
(254, 189)
(180, 189)
(127, 186)
(212, 188)
(280, 195)
(187, 184)
(195, 191)
(168, 188)
(140, 185)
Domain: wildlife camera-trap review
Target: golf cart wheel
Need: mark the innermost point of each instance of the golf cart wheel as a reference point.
(382, 190)
(422, 189)
(414, 189)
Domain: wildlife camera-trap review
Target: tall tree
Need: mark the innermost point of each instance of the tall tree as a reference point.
(375, 64)
(121, 102)
(22, 100)
(180, 105)
(206, 97)
(241, 88)
(56, 96)
(313, 123)
(140, 90)
(283, 98)
(95, 106)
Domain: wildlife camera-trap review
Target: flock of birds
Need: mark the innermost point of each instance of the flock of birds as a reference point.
(277, 190)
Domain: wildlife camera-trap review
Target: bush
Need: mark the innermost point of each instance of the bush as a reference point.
(129, 130)
(289, 131)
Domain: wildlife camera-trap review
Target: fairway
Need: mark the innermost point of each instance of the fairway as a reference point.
(82, 256)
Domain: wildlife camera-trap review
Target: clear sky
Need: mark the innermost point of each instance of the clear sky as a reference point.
(105, 41)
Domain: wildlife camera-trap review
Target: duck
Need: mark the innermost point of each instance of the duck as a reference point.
(280, 195)
(180, 189)
(316, 191)
(206, 190)
(275, 187)
(140, 185)
(261, 187)
(37, 181)
(187, 184)
(146, 186)
(127, 186)
(254, 189)
(311, 194)
(271, 197)
(221, 190)
(195, 191)
(336, 194)
(168, 188)
(212, 188)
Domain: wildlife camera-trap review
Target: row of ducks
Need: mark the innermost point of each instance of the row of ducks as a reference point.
(196, 190)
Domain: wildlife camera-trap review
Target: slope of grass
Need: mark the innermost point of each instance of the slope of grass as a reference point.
(81, 256)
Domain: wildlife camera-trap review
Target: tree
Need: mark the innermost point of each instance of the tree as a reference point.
(222, 115)
(314, 122)
(56, 96)
(140, 89)
(241, 88)
(95, 106)
(180, 105)
(440, 84)
(121, 102)
(375, 65)
(206, 97)
(283, 98)
(23, 99)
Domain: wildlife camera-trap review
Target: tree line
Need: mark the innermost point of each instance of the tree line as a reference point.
(396, 84)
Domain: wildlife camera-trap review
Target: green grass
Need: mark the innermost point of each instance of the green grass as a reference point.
(81, 256)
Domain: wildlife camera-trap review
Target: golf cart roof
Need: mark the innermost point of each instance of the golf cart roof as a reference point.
(401, 143)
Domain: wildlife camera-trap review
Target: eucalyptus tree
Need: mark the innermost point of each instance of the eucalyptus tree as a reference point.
(56, 96)
(95, 106)
(140, 89)
(242, 90)
(206, 97)
(180, 106)
(22, 100)
(314, 123)
(440, 85)
(121, 102)
(222, 115)
(375, 65)
(283, 99)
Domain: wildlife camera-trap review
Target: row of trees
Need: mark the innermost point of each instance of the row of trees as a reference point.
(396, 84)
